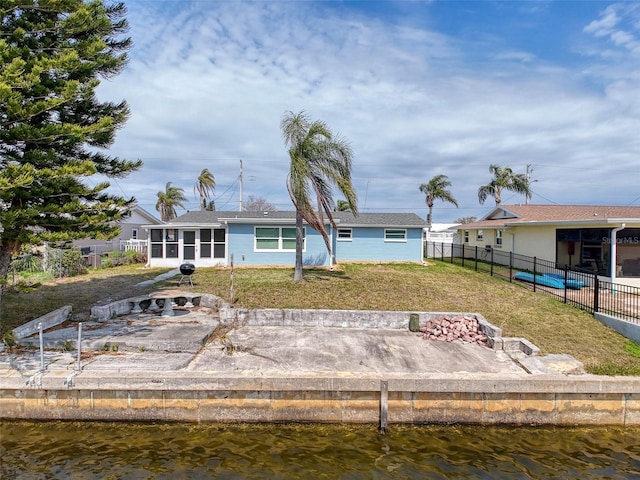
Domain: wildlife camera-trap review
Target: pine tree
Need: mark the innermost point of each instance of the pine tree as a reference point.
(53, 54)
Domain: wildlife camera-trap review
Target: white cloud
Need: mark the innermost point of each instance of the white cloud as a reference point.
(209, 81)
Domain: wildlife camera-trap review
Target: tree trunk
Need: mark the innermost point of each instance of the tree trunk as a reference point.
(6, 251)
(297, 274)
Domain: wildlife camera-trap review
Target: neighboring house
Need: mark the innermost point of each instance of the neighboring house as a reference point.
(439, 237)
(582, 236)
(212, 238)
(442, 233)
(132, 235)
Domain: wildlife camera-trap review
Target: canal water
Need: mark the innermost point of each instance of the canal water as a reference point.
(59, 450)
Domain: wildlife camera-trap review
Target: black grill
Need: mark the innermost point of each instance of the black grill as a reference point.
(187, 268)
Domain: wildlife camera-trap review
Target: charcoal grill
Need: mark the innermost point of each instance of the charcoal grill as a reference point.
(187, 270)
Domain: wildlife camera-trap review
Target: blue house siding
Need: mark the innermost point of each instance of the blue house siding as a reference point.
(368, 244)
(241, 238)
(355, 238)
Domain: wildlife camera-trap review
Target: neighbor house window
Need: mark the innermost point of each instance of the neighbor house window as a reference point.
(499, 237)
(395, 235)
(466, 236)
(479, 235)
(134, 233)
(278, 239)
(345, 234)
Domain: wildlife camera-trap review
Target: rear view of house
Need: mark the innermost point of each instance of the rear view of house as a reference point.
(211, 238)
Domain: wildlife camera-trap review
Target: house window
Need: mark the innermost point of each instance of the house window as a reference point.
(157, 248)
(171, 243)
(134, 233)
(498, 237)
(395, 235)
(205, 243)
(345, 234)
(466, 236)
(479, 235)
(219, 243)
(278, 239)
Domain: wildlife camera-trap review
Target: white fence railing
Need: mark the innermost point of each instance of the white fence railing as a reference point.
(137, 245)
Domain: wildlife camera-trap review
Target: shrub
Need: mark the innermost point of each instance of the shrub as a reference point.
(65, 262)
(28, 262)
(115, 258)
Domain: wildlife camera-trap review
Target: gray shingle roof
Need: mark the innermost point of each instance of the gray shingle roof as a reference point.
(342, 218)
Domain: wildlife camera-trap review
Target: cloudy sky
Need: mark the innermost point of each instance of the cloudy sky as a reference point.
(419, 88)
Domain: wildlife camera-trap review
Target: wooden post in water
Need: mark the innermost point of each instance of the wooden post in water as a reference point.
(384, 400)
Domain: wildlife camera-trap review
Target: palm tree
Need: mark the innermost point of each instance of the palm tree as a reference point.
(342, 206)
(168, 200)
(437, 189)
(204, 187)
(504, 179)
(318, 161)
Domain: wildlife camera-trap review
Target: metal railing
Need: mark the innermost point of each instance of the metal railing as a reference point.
(579, 288)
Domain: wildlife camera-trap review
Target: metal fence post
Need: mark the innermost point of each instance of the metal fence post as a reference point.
(79, 345)
(41, 334)
(491, 262)
(510, 267)
(596, 294)
(462, 254)
(534, 273)
(565, 282)
(476, 259)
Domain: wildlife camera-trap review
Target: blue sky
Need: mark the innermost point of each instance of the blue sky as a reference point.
(419, 89)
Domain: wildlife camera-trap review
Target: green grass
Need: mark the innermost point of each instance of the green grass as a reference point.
(439, 287)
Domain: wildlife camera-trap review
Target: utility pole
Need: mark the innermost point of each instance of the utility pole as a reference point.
(240, 185)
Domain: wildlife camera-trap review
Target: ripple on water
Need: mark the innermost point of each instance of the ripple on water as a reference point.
(59, 450)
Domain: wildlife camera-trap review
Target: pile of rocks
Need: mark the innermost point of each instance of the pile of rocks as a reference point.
(448, 328)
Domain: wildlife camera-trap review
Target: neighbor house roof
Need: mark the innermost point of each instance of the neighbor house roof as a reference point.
(144, 213)
(345, 219)
(506, 215)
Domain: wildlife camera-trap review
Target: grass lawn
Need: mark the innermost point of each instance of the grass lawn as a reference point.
(551, 325)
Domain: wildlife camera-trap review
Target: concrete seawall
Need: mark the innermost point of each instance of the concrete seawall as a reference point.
(277, 365)
(585, 400)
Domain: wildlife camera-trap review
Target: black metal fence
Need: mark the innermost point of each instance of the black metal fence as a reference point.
(577, 287)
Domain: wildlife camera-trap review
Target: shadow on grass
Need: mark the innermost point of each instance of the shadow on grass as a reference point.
(81, 292)
(324, 275)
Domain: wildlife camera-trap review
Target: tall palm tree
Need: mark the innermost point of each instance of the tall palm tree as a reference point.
(168, 200)
(437, 189)
(318, 161)
(205, 187)
(504, 179)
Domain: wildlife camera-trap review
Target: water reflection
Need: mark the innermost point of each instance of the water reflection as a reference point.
(57, 450)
